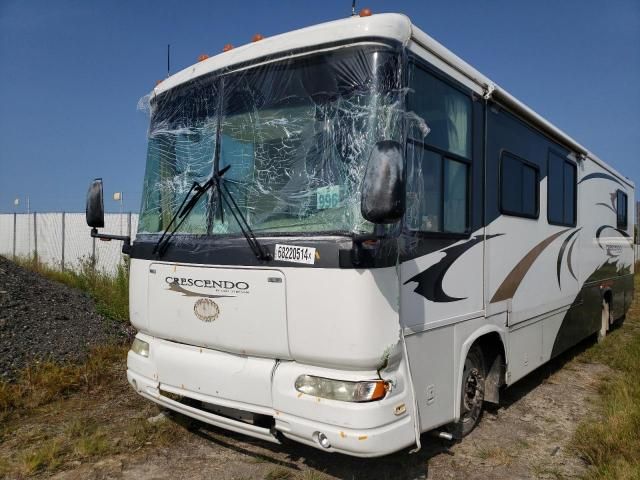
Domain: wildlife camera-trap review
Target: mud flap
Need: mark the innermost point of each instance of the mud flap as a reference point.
(494, 380)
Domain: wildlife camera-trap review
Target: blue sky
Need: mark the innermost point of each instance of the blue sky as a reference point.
(73, 71)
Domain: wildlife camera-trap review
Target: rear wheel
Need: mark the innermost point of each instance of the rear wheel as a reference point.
(472, 394)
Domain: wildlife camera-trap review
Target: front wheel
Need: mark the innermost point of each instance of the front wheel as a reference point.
(472, 392)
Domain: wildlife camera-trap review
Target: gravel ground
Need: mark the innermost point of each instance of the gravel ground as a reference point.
(45, 320)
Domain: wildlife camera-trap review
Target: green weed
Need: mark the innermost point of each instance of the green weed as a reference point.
(111, 293)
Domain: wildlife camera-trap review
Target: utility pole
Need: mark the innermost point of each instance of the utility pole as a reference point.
(118, 197)
(28, 227)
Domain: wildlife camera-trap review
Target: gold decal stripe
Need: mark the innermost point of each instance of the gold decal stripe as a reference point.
(174, 287)
(511, 283)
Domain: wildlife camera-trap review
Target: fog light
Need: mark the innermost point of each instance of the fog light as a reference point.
(140, 347)
(322, 439)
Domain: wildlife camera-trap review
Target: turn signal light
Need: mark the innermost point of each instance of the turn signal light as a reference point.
(365, 12)
(203, 57)
(257, 37)
(227, 47)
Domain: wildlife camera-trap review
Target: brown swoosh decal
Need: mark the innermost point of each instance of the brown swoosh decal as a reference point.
(511, 283)
(174, 287)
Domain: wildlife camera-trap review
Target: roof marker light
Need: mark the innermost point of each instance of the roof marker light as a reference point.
(365, 12)
(227, 47)
(257, 37)
(203, 57)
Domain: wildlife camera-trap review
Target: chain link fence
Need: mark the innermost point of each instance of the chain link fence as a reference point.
(63, 240)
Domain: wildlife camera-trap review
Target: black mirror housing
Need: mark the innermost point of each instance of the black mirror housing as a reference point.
(383, 188)
(95, 205)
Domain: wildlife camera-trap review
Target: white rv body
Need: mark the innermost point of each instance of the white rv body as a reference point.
(234, 337)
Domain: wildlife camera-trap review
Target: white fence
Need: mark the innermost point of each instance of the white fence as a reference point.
(63, 240)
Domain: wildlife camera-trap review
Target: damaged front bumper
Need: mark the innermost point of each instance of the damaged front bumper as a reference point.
(257, 397)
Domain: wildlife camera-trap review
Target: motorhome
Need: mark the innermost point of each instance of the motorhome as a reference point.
(349, 237)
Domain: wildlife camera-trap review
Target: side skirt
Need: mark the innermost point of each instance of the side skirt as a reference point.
(584, 316)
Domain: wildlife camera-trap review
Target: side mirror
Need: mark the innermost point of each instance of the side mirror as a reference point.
(95, 205)
(383, 187)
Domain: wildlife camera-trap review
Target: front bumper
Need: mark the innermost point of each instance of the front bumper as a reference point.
(239, 382)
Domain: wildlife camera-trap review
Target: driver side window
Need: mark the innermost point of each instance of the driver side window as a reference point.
(438, 166)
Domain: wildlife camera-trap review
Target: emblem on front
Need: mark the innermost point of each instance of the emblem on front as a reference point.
(206, 309)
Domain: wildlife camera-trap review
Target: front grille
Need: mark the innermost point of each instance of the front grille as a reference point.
(250, 418)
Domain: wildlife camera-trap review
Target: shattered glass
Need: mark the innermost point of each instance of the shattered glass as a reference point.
(296, 133)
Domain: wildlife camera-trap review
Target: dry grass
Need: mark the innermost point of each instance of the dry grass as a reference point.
(45, 382)
(278, 473)
(494, 455)
(610, 442)
(312, 475)
(57, 416)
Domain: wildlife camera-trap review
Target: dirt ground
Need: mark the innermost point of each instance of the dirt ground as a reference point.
(527, 437)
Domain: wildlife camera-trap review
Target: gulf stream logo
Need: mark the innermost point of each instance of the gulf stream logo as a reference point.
(206, 310)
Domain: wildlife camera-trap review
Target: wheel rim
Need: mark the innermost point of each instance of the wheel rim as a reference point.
(473, 395)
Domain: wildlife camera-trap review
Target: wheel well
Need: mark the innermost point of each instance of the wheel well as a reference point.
(495, 359)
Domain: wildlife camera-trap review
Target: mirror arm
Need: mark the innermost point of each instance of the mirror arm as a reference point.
(126, 246)
(359, 239)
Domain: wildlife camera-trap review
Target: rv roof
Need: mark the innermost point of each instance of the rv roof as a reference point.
(391, 26)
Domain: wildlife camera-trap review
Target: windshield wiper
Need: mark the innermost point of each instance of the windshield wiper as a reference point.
(185, 208)
(258, 250)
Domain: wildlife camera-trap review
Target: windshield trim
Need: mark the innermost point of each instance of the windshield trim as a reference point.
(282, 56)
(267, 60)
(152, 236)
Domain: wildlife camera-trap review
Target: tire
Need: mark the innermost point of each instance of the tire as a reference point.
(471, 392)
(605, 323)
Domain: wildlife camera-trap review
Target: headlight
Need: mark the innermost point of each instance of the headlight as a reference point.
(140, 347)
(342, 390)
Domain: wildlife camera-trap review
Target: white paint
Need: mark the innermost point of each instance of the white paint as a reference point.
(252, 315)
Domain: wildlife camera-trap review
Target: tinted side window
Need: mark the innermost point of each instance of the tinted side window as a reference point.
(621, 208)
(561, 191)
(570, 204)
(438, 166)
(455, 196)
(446, 110)
(519, 181)
(437, 191)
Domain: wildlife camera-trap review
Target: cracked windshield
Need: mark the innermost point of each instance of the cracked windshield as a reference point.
(296, 135)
